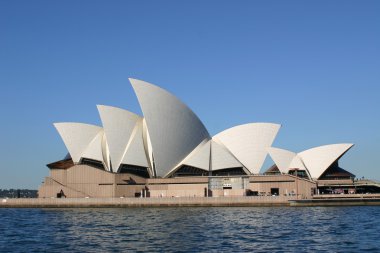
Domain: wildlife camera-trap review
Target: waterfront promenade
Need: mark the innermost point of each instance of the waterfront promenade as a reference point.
(147, 202)
(319, 200)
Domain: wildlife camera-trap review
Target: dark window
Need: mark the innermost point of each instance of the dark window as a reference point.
(135, 170)
(275, 191)
(252, 193)
(229, 172)
(188, 171)
(298, 173)
(92, 163)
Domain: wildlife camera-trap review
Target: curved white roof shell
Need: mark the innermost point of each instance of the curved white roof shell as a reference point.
(221, 157)
(315, 161)
(174, 130)
(282, 158)
(285, 159)
(148, 146)
(200, 157)
(135, 151)
(77, 138)
(118, 126)
(318, 159)
(210, 156)
(106, 153)
(249, 143)
(297, 163)
(94, 149)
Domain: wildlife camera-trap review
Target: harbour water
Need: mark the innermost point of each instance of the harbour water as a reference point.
(191, 229)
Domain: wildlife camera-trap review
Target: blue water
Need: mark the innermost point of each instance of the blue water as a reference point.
(240, 229)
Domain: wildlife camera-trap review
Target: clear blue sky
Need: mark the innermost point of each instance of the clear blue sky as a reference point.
(313, 66)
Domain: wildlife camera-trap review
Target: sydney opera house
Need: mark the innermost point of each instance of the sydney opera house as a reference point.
(168, 152)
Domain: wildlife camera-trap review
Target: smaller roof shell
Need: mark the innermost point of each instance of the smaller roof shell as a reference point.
(95, 150)
(118, 126)
(282, 158)
(222, 158)
(318, 159)
(249, 143)
(135, 152)
(315, 160)
(77, 137)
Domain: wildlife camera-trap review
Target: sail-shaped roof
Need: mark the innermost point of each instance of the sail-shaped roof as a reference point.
(249, 143)
(118, 126)
(282, 158)
(77, 137)
(94, 149)
(200, 157)
(221, 157)
(174, 129)
(135, 152)
(318, 159)
(315, 160)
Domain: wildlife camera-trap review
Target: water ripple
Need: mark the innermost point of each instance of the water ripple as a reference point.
(280, 229)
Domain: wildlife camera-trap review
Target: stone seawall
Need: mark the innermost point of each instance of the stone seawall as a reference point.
(346, 196)
(145, 202)
(183, 202)
(336, 202)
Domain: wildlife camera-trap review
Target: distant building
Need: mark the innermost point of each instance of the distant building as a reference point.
(18, 193)
(169, 152)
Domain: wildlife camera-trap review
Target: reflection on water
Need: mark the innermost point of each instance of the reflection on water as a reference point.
(218, 229)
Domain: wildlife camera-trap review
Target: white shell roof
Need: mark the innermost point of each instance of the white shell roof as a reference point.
(148, 147)
(249, 143)
(318, 159)
(282, 158)
(106, 153)
(200, 157)
(94, 149)
(77, 137)
(135, 153)
(118, 126)
(297, 163)
(174, 130)
(221, 157)
(315, 160)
